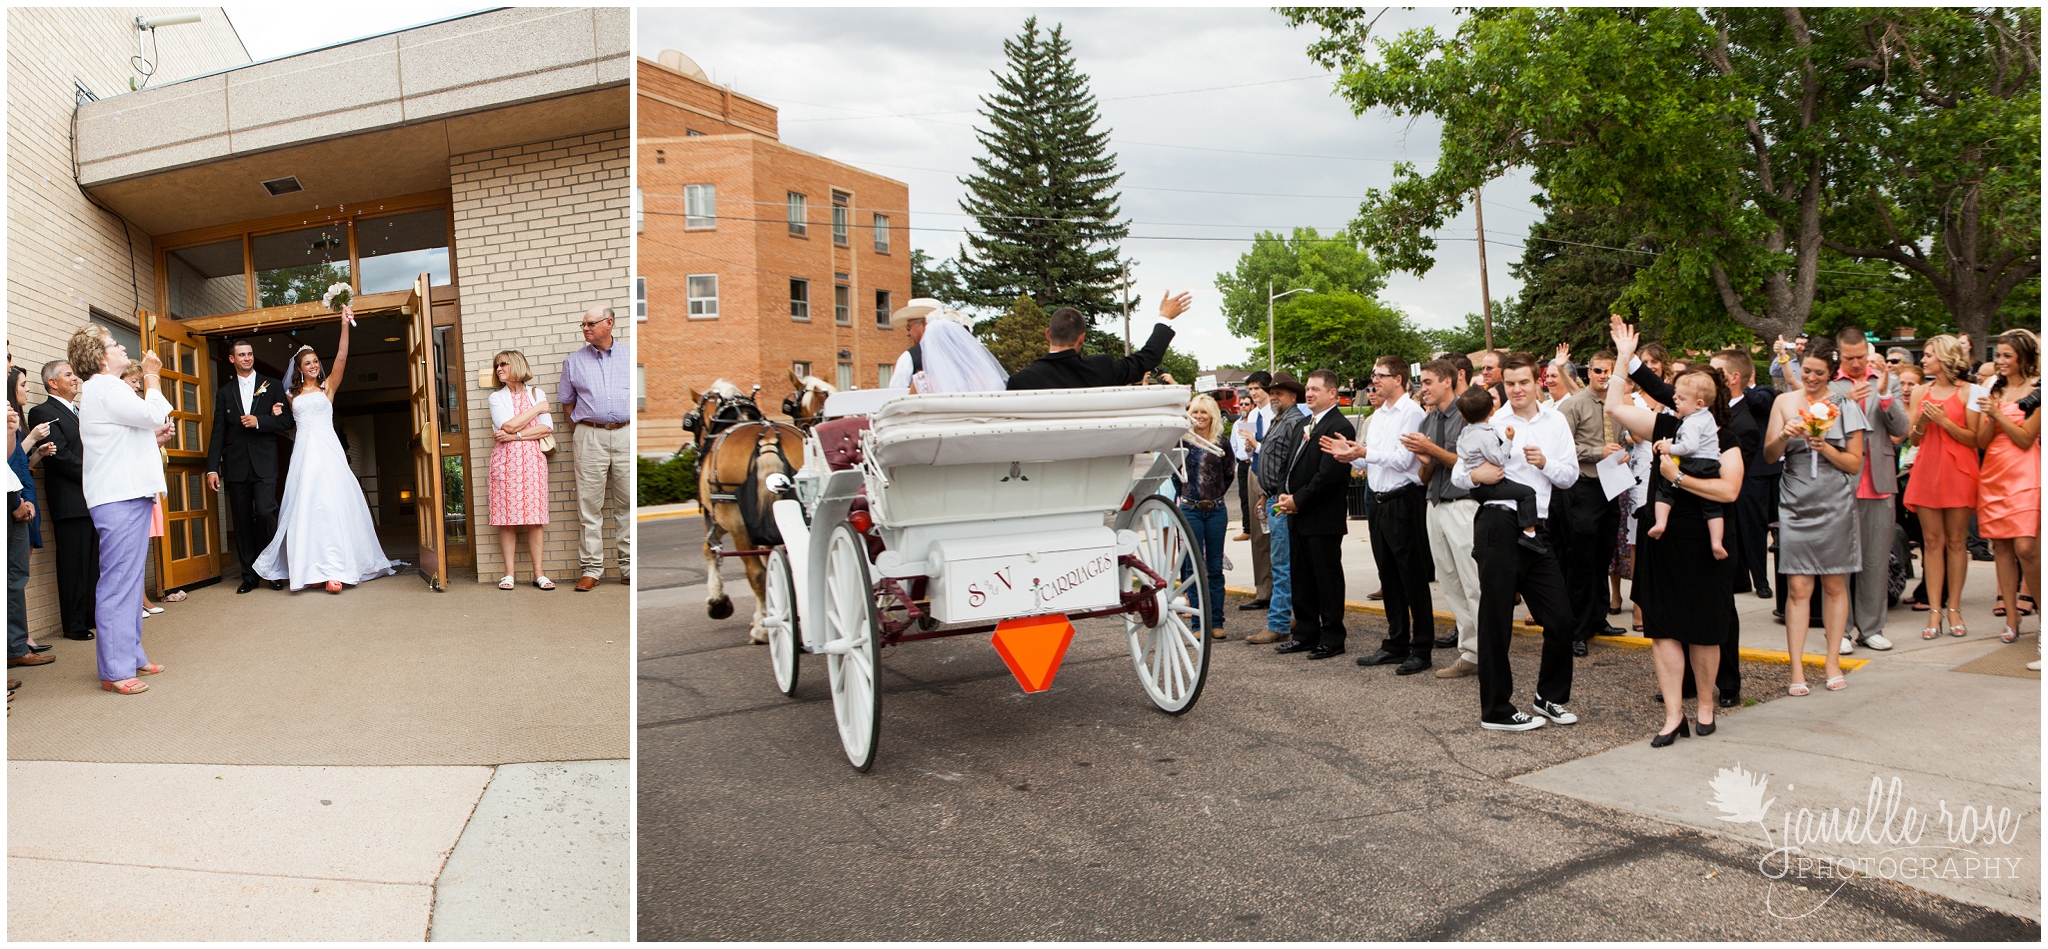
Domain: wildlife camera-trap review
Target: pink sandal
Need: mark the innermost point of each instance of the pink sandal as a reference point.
(150, 670)
(126, 686)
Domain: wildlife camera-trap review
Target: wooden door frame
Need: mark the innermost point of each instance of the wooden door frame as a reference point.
(182, 462)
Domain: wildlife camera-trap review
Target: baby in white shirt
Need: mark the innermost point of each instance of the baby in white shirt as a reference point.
(1698, 450)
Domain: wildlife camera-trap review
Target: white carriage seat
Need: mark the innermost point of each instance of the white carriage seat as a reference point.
(857, 402)
(964, 428)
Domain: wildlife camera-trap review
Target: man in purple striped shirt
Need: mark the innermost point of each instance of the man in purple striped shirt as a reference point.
(596, 393)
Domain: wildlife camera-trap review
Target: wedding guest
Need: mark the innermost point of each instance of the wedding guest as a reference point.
(133, 377)
(1315, 503)
(24, 523)
(1686, 595)
(1202, 497)
(1451, 508)
(123, 476)
(1543, 457)
(519, 469)
(78, 545)
(1751, 406)
(1591, 518)
(2009, 488)
(1276, 463)
(1878, 397)
(1943, 489)
(596, 393)
(1246, 437)
(1398, 529)
(1817, 534)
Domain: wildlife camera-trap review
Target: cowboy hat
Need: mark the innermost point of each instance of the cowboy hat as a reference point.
(1284, 382)
(917, 309)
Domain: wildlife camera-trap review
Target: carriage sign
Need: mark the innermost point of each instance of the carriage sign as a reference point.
(1055, 581)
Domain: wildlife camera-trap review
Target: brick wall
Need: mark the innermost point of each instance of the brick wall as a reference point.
(541, 234)
(65, 255)
(698, 106)
(754, 340)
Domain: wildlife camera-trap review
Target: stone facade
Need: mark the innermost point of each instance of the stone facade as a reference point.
(749, 247)
(67, 257)
(540, 236)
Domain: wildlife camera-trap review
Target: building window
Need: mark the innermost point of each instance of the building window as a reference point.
(704, 296)
(639, 299)
(639, 388)
(802, 369)
(842, 300)
(840, 214)
(799, 299)
(845, 381)
(883, 374)
(882, 309)
(639, 213)
(797, 222)
(692, 133)
(881, 233)
(700, 206)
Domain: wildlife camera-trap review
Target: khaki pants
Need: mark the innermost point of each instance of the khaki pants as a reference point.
(1457, 574)
(1262, 541)
(604, 467)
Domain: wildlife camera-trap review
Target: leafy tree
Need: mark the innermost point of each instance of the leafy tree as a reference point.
(1183, 366)
(1016, 338)
(1727, 127)
(304, 284)
(1342, 332)
(1468, 337)
(1948, 155)
(1279, 263)
(1045, 199)
(1576, 265)
(939, 281)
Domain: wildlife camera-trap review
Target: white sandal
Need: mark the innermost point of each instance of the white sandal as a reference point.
(507, 583)
(543, 583)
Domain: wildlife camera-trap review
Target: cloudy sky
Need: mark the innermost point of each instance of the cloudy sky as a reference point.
(1203, 170)
(273, 31)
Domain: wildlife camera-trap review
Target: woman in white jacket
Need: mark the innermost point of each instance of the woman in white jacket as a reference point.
(122, 476)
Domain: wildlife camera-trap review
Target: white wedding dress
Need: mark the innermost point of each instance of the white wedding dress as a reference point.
(324, 530)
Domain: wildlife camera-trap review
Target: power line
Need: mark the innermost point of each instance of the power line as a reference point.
(920, 115)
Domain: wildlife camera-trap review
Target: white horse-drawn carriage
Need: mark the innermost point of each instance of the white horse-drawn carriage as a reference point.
(922, 516)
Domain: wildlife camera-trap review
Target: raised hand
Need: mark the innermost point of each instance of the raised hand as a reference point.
(1564, 353)
(39, 433)
(1171, 306)
(151, 363)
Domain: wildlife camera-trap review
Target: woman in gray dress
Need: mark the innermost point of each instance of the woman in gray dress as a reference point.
(1817, 505)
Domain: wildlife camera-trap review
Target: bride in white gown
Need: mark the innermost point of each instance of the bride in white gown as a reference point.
(954, 361)
(324, 531)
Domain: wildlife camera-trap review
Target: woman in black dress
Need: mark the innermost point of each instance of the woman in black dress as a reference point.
(1687, 597)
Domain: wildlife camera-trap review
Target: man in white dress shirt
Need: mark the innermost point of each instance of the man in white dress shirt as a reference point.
(1399, 525)
(913, 316)
(1544, 458)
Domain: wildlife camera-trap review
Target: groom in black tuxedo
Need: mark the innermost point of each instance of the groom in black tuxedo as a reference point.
(249, 413)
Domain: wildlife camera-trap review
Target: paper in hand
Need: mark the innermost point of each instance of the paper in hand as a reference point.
(1615, 475)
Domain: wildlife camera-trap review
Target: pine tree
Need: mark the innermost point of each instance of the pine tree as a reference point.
(1045, 200)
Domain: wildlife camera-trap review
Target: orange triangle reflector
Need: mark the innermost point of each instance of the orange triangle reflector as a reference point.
(1033, 647)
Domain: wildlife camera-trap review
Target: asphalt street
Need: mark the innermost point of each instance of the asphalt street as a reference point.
(1297, 800)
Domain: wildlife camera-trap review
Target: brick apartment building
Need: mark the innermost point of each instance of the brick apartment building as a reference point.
(490, 152)
(756, 259)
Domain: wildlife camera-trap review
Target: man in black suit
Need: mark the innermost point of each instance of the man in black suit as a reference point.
(1317, 520)
(1065, 368)
(249, 413)
(78, 544)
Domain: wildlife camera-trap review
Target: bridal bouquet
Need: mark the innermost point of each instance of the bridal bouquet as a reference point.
(337, 299)
(1818, 418)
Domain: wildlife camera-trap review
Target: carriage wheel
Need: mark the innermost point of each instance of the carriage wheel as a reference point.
(852, 647)
(1172, 657)
(779, 616)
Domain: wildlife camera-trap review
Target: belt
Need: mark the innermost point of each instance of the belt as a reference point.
(607, 426)
(1200, 505)
(1396, 494)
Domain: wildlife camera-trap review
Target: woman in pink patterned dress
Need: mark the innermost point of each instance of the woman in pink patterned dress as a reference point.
(519, 469)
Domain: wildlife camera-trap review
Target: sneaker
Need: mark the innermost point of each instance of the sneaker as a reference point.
(1848, 645)
(1553, 711)
(1458, 670)
(1520, 723)
(1877, 641)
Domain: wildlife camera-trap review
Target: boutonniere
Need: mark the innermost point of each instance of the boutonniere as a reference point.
(262, 387)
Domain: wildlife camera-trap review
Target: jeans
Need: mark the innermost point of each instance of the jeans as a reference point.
(17, 588)
(1209, 526)
(1280, 611)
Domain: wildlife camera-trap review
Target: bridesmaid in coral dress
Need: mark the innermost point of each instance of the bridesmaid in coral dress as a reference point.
(519, 468)
(2009, 494)
(1943, 490)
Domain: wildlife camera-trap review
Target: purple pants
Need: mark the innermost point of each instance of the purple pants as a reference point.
(124, 550)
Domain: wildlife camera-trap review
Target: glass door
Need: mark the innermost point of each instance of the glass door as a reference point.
(429, 494)
(189, 551)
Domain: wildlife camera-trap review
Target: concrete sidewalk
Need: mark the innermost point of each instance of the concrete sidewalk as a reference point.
(1950, 740)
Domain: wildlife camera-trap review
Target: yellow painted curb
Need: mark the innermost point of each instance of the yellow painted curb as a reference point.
(692, 511)
(1628, 642)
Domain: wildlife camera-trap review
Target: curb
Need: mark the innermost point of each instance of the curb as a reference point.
(689, 509)
(1627, 642)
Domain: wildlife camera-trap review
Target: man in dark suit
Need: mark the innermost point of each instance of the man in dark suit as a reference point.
(1317, 520)
(1065, 368)
(78, 544)
(249, 413)
(1749, 415)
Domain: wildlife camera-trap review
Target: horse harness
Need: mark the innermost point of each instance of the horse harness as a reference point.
(729, 411)
(761, 531)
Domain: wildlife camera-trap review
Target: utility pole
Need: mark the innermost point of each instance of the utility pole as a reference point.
(1272, 358)
(1127, 307)
(1485, 295)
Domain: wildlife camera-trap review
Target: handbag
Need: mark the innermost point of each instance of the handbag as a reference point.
(547, 444)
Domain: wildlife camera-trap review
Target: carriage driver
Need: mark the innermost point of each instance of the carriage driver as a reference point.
(912, 316)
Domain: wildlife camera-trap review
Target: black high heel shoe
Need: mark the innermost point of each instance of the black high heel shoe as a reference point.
(1707, 728)
(1668, 737)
